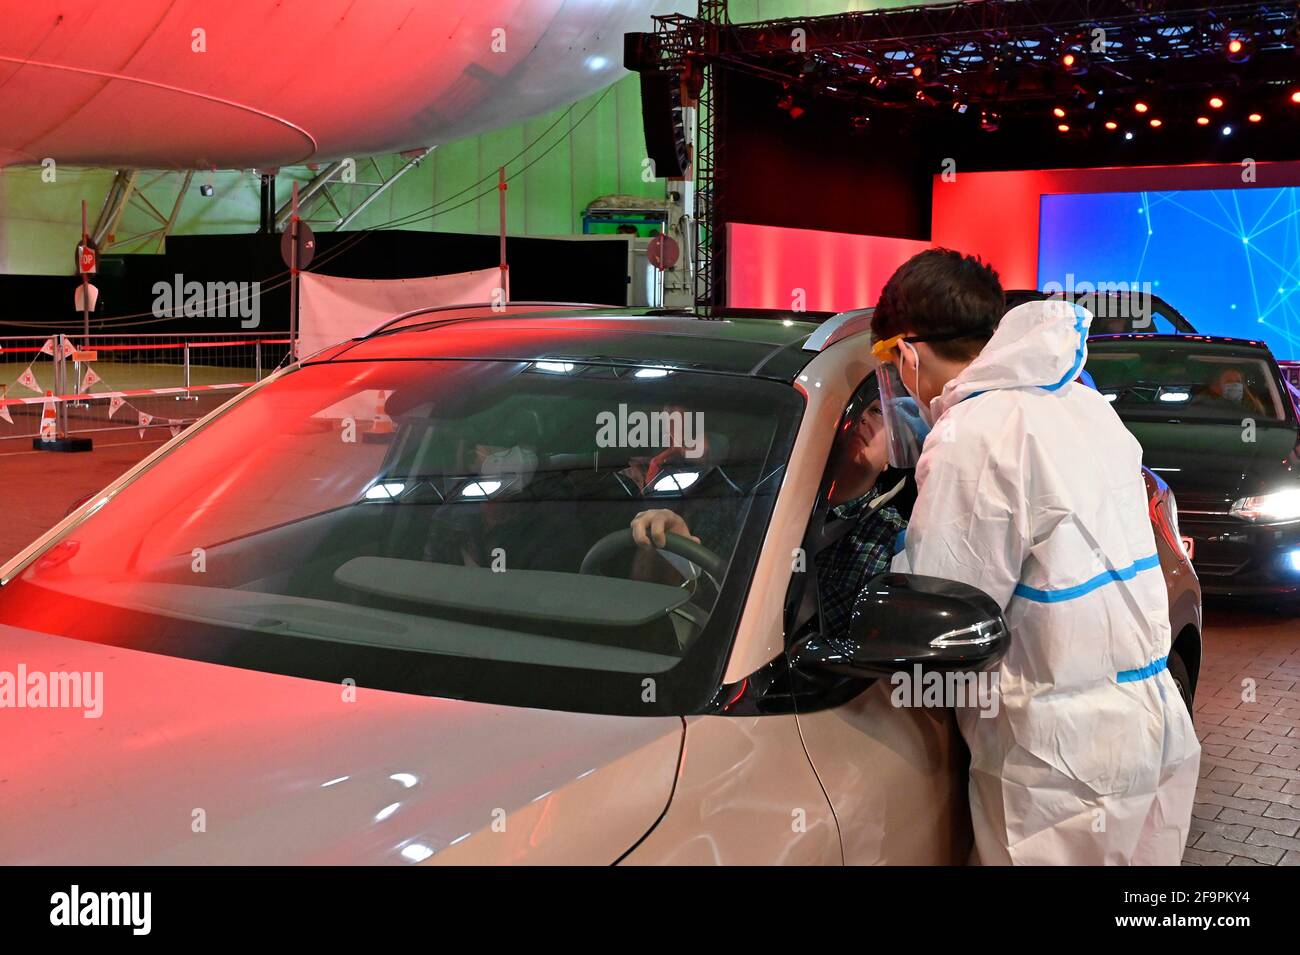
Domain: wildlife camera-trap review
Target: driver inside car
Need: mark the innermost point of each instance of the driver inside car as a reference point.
(858, 459)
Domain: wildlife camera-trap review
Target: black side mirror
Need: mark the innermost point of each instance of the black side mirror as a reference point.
(904, 620)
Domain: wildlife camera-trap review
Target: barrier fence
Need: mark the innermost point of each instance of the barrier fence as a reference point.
(120, 382)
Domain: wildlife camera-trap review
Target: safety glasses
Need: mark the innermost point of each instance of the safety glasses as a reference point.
(887, 350)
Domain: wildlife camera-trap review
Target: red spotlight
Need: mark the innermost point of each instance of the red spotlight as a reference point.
(1141, 107)
(1063, 128)
(1058, 113)
(1067, 61)
(1216, 102)
(1237, 47)
(1202, 121)
(1111, 124)
(1255, 117)
(1295, 96)
(1156, 123)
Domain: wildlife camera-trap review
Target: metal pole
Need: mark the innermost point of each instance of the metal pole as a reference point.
(85, 291)
(186, 350)
(505, 267)
(61, 413)
(293, 280)
(257, 360)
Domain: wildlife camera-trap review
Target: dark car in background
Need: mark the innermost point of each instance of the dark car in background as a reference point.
(1218, 422)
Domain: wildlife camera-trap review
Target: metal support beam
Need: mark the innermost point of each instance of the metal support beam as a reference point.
(383, 187)
(308, 192)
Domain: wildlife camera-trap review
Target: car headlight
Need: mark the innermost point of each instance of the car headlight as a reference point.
(1275, 508)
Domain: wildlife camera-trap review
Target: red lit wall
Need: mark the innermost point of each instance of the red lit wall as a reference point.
(771, 266)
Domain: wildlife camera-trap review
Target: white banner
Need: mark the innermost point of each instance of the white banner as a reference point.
(331, 309)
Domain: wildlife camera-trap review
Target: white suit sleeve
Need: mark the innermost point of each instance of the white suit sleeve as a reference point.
(971, 520)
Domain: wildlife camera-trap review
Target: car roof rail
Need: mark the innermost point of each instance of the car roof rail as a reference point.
(495, 308)
(840, 325)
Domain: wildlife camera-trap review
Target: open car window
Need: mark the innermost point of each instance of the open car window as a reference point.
(422, 526)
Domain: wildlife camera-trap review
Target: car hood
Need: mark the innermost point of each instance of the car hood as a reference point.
(192, 762)
(1212, 463)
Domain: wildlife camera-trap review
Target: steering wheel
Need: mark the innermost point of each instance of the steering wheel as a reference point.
(620, 541)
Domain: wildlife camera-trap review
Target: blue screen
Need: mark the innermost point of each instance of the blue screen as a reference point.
(1228, 259)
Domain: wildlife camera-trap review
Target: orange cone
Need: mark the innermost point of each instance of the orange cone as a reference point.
(382, 424)
(49, 420)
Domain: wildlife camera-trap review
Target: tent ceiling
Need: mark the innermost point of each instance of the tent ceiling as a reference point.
(120, 84)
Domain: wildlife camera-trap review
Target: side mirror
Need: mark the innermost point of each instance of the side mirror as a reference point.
(903, 620)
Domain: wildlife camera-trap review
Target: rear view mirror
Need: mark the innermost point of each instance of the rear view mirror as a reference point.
(905, 620)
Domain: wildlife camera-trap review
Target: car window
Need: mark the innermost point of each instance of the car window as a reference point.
(849, 540)
(431, 527)
(1187, 380)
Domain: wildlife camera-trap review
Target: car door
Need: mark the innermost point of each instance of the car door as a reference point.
(895, 776)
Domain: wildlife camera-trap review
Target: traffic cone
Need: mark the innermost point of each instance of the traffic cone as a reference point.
(49, 419)
(383, 424)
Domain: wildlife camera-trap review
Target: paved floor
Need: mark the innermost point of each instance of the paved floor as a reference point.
(1247, 709)
(1247, 715)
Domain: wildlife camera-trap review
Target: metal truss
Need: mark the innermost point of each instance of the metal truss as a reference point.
(337, 194)
(1006, 51)
(131, 188)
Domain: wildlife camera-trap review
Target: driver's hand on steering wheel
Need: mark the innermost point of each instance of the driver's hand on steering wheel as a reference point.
(649, 527)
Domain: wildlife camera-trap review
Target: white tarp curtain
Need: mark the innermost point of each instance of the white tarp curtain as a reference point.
(332, 309)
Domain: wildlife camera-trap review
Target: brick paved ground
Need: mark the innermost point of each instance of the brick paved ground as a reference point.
(1248, 801)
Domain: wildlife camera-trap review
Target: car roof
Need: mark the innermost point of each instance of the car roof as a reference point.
(769, 347)
(1165, 337)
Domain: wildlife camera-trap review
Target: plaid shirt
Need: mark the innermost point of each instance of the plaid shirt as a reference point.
(865, 551)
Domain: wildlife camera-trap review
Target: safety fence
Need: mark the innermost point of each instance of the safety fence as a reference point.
(125, 382)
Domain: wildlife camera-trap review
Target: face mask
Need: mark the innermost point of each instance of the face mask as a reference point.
(1234, 391)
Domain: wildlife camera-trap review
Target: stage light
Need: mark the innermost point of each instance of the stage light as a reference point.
(1295, 96)
(1128, 136)
(1237, 47)
(1255, 117)
(877, 82)
(1156, 122)
(1226, 131)
(1140, 107)
(1112, 125)
(960, 106)
(990, 120)
(1216, 102)
(1202, 121)
(1058, 113)
(1063, 128)
(1075, 62)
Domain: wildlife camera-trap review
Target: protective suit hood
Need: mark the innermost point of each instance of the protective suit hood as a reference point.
(1037, 344)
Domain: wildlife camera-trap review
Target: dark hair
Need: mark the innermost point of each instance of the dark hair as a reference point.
(939, 292)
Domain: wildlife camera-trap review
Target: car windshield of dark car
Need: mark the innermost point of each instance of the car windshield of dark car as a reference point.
(431, 527)
(1186, 381)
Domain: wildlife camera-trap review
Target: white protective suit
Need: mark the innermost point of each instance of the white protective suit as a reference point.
(1031, 490)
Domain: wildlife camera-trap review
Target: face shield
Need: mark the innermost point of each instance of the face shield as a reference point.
(905, 428)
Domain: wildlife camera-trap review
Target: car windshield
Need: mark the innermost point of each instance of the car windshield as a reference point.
(431, 527)
(1186, 380)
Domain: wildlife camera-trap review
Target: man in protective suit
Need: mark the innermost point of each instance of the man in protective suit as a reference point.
(1030, 489)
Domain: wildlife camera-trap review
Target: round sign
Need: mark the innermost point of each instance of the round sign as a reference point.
(306, 244)
(662, 252)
